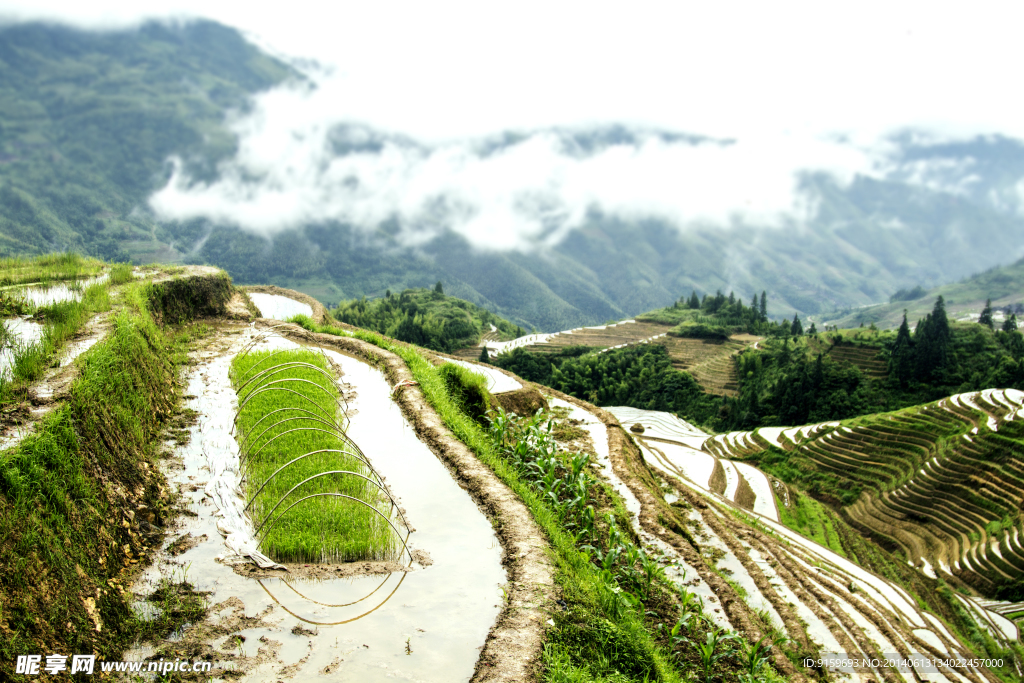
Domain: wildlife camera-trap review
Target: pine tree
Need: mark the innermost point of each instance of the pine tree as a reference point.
(438, 289)
(932, 339)
(986, 315)
(813, 330)
(1010, 324)
(484, 357)
(796, 329)
(899, 358)
(764, 305)
(694, 301)
(940, 324)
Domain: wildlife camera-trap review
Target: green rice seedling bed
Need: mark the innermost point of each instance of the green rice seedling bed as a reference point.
(311, 497)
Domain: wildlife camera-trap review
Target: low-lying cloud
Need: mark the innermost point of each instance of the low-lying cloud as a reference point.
(300, 162)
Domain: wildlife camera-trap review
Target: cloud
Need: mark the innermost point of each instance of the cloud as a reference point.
(298, 162)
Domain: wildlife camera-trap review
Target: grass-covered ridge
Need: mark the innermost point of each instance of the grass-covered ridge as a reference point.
(1002, 285)
(76, 496)
(426, 317)
(293, 446)
(47, 267)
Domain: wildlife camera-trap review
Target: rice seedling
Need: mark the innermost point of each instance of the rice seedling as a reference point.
(311, 493)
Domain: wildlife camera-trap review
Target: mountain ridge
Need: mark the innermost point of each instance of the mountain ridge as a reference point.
(79, 162)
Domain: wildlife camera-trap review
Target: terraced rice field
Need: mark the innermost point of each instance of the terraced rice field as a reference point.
(707, 517)
(864, 358)
(675, 446)
(711, 362)
(944, 482)
(817, 597)
(425, 617)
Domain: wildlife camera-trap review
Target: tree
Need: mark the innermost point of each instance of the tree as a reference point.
(931, 348)
(813, 330)
(764, 305)
(796, 329)
(438, 288)
(694, 301)
(484, 357)
(1010, 324)
(986, 315)
(899, 357)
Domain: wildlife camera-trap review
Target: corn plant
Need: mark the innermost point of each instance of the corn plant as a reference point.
(754, 657)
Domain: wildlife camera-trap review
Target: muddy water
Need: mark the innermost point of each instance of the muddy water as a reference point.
(24, 333)
(424, 625)
(279, 307)
(55, 293)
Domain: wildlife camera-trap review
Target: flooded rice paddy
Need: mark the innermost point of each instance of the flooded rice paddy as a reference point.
(277, 307)
(22, 332)
(425, 623)
(47, 295)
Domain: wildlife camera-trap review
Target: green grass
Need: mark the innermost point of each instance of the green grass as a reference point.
(121, 274)
(47, 268)
(321, 529)
(67, 489)
(810, 518)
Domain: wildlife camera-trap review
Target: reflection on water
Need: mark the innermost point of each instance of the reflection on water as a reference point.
(279, 307)
(305, 605)
(55, 293)
(20, 332)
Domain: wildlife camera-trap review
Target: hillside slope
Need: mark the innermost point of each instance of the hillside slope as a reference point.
(88, 120)
(1004, 285)
(941, 482)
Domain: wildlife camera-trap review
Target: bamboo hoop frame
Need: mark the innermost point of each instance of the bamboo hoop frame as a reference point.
(317, 476)
(333, 428)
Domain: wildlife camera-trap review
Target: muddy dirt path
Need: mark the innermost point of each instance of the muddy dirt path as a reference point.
(375, 622)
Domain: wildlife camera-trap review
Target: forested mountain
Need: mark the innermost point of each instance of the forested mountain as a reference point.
(426, 317)
(88, 121)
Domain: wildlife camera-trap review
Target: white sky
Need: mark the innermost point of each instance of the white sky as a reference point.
(784, 79)
(724, 68)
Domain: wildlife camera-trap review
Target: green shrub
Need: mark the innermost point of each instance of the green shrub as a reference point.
(699, 331)
(183, 299)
